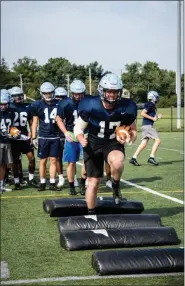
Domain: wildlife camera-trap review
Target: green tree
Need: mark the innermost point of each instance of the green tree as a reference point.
(133, 81)
(30, 71)
(56, 70)
(7, 78)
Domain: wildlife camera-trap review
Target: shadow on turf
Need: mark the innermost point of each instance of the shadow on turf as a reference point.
(140, 180)
(165, 212)
(163, 163)
(104, 189)
(170, 162)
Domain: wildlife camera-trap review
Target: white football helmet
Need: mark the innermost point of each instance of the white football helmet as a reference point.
(47, 91)
(77, 89)
(4, 99)
(17, 94)
(110, 83)
(153, 96)
(60, 93)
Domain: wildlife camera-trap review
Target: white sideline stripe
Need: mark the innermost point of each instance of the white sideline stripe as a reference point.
(148, 190)
(4, 270)
(73, 278)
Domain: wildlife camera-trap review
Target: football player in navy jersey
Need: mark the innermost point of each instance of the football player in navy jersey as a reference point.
(60, 94)
(66, 117)
(6, 119)
(44, 112)
(22, 117)
(149, 114)
(102, 114)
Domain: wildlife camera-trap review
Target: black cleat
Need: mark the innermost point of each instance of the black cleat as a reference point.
(117, 197)
(134, 162)
(17, 186)
(82, 190)
(73, 192)
(33, 183)
(42, 187)
(8, 182)
(53, 187)
(23, 182)
(152, 161)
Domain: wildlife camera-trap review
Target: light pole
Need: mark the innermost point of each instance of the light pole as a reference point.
(21, 83)
(67, 78)
(178, 71)
(90, 87)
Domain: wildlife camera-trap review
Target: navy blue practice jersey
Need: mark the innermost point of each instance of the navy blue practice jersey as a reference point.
(6, 119)
(22, 115)
(68, 111)
(151, 110)
(102, 122)
(46, 114)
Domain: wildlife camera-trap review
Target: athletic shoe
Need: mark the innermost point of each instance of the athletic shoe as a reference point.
(117, 196)
(17, 186)
(4, 189)
(73, 192)
(53, 187)
(33, 183)
(134, 162)
(23, 182)
(7, 189)
(152, 161)
(42, 187)
(82, 190)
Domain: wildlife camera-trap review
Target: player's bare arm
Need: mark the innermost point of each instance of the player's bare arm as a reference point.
(133, 132)
(145, 115)
(61, 126)
(79, 128)
(34, 127)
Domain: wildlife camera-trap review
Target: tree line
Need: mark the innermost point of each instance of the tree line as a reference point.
(138, 79)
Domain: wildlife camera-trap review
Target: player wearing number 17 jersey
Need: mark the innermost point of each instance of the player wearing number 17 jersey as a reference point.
(102, 114)
(44, 111)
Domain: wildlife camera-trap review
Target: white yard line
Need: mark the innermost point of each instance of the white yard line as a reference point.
(75, 278)
(4, 270)
(175, 150)
(149, 190)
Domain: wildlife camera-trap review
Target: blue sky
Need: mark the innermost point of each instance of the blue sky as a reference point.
(110, 32)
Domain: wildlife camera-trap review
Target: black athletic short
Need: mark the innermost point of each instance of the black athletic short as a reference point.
(21, 147)
(94, 157)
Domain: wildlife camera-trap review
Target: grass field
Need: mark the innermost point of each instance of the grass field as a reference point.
(30, 238)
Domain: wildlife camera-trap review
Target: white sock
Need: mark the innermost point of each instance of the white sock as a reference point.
(52, 181)
(43, 181)
(151, 156)
(16, 180)
(1, 183)
(134, 156)
(60, 177)
(31, 176)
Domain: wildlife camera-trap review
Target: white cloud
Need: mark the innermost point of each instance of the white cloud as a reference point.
(113, 33)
